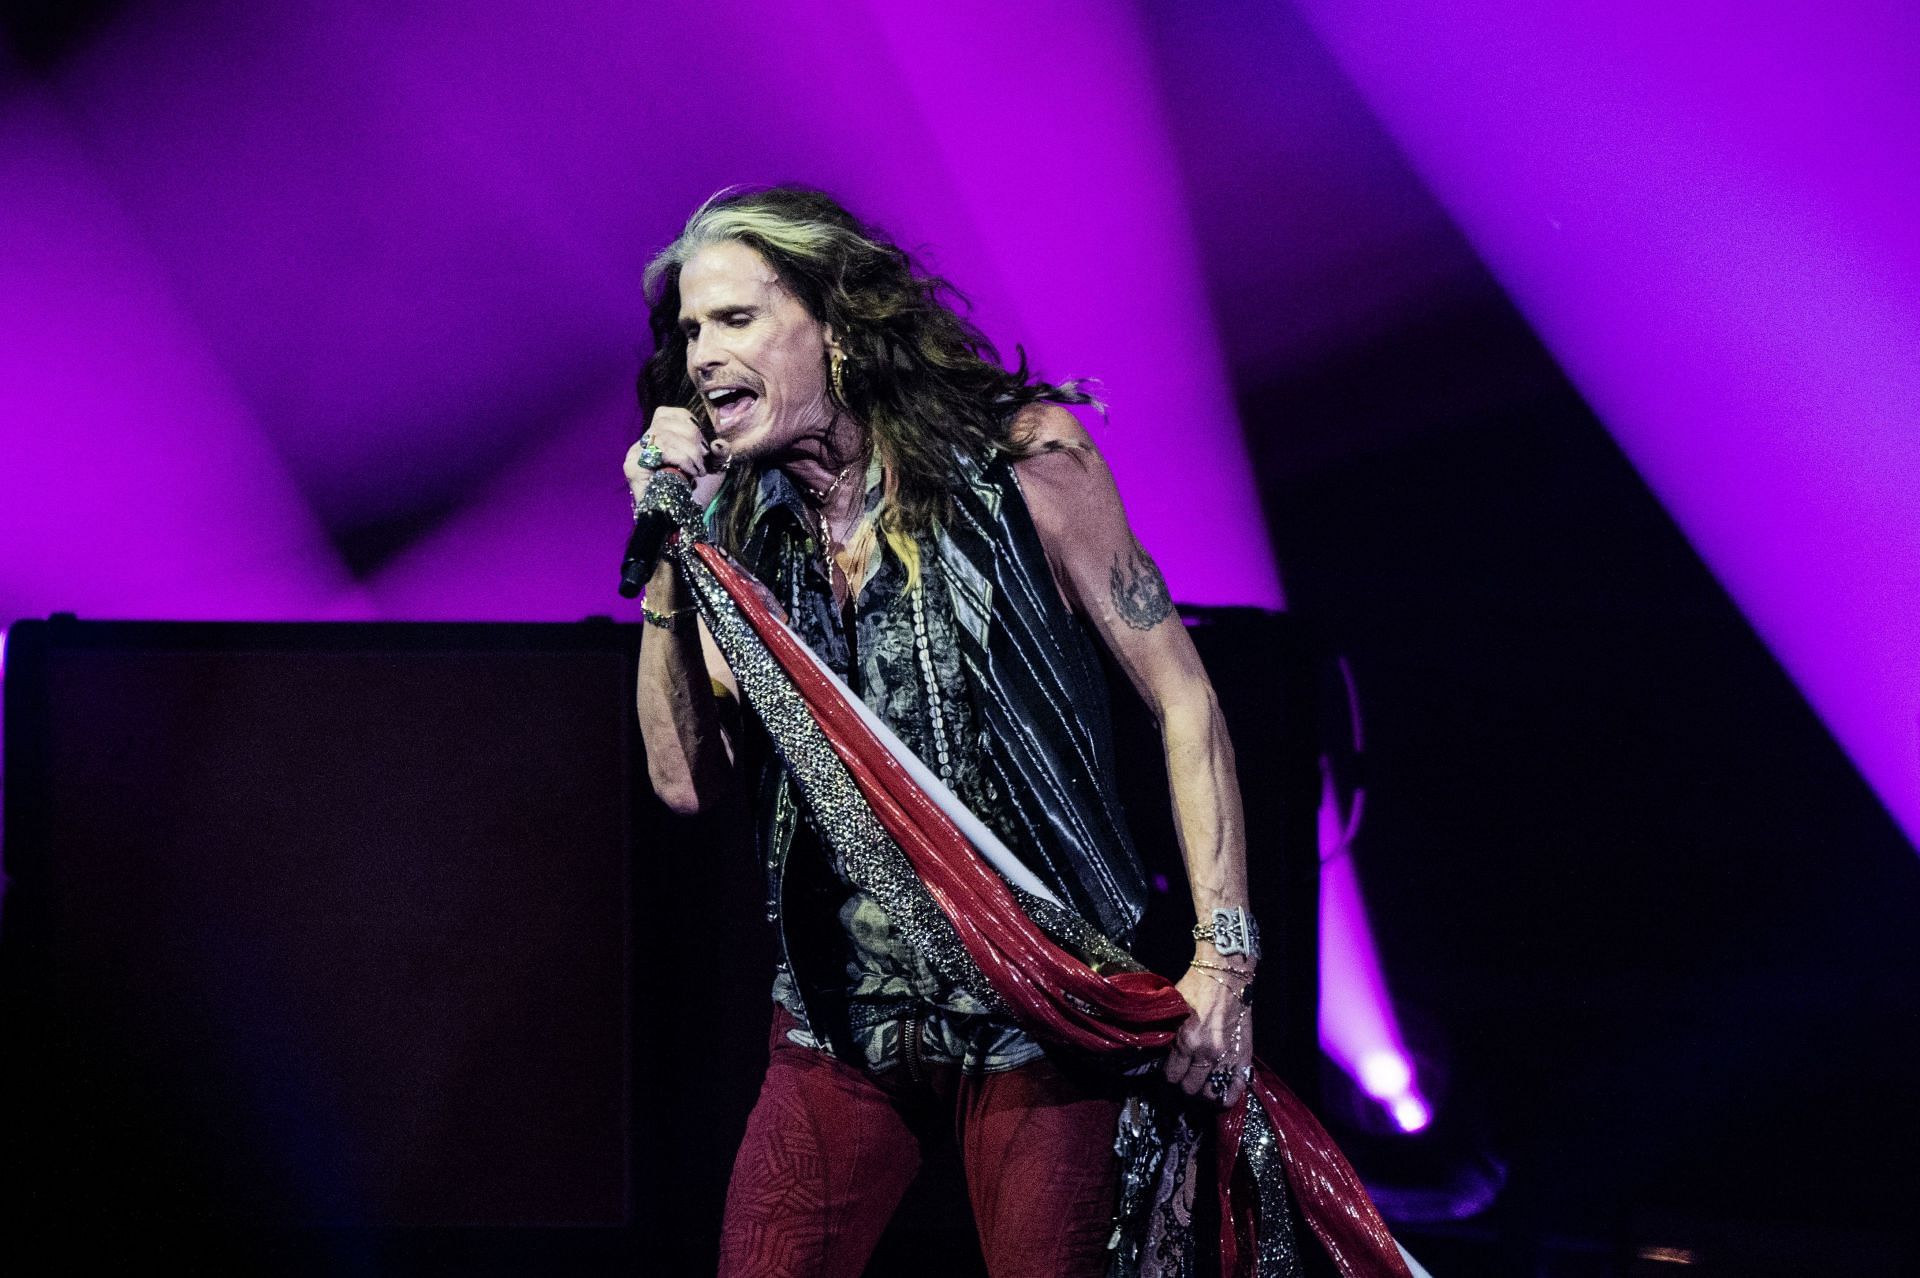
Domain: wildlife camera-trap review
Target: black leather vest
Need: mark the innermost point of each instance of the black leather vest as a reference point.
(1040, 694)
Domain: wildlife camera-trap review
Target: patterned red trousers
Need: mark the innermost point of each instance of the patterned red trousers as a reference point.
(830, 1149)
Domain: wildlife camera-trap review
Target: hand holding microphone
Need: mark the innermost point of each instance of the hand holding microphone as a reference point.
(674, 452)
(673, 439)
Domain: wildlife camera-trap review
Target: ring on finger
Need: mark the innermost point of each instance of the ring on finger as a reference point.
(1218, 1082)
(649, 457)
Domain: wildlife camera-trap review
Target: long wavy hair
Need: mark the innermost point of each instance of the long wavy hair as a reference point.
(924, 381)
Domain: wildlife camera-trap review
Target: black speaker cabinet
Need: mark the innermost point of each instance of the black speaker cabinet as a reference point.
(318, 925)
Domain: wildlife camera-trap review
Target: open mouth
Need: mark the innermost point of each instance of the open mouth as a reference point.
(730, 406)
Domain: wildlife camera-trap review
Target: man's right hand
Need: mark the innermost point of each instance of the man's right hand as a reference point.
(683, 445)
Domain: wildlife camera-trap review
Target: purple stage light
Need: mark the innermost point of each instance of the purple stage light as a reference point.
(1411, 1113)
(410, 243)
(1707, 213)
(1307, 215)
(1357, 1024)
(1040, 270)
(136, 483)
(1384, 1074)
(532, 543)
(1107, 275)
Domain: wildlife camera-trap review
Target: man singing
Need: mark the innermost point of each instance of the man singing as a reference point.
(944, 536)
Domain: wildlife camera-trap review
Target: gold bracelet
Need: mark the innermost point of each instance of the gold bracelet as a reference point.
(1222, 967)
(664, 620)
(1243, 993)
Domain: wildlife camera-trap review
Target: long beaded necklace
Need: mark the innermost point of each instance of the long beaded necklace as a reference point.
(943, 752)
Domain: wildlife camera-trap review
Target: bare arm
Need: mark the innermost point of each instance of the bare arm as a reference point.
(1204, 785)
(681, 682)
(1108, 578)
(682, 679)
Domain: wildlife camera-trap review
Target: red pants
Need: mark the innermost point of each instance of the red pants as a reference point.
(830, 1149)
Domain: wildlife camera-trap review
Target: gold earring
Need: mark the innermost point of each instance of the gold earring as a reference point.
(835, 362)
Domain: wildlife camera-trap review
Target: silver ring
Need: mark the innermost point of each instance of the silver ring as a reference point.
(1246, 1071)
(1218, 1083)
(649, 457)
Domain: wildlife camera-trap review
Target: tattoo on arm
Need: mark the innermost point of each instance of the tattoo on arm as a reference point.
(1139, 591)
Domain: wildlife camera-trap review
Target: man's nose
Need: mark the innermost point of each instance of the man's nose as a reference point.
(703, 353)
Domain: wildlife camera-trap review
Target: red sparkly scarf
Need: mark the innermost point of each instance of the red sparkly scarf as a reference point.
(1055, 995)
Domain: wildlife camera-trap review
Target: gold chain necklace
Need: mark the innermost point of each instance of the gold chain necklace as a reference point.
(826, 500)
(826, 527)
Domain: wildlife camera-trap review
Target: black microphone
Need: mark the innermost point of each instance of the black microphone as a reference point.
(668, 492)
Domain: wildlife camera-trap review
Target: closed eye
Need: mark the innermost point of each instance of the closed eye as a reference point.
(732, 319)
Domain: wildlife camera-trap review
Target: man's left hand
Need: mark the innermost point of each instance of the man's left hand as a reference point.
(1208, 1044)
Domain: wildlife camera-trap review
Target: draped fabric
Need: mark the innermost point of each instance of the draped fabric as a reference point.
(1042, 699)
(992, 924)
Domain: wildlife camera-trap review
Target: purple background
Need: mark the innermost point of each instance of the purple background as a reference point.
(331, 311)
(1563, 354)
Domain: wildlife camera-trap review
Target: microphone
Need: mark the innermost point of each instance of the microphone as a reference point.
(668, 494)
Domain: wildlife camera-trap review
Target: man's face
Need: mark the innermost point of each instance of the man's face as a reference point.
(755, 354)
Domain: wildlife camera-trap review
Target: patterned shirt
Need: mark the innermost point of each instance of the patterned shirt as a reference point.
(901, 657)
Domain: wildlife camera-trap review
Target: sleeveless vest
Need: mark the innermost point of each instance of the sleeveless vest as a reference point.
(990, 679)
